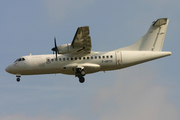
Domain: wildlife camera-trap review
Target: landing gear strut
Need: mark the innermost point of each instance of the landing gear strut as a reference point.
(80, 73)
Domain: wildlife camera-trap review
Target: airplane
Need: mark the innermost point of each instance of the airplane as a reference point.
(77, 58)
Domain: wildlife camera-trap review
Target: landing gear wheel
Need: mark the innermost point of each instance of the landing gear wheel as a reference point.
(81, 79)
(18, 79)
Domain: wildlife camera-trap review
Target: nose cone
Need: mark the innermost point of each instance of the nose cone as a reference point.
(8, 69)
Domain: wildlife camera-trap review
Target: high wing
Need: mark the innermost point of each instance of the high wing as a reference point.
(82, 40)
(80, 45)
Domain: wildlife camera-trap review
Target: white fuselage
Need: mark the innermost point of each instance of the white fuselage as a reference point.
(93, 62)
(78, 59)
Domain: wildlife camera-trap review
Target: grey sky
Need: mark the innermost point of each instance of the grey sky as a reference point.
(147, 91)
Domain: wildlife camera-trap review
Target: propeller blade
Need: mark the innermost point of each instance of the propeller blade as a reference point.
(55, 42)
(55, 48)
(56, 55)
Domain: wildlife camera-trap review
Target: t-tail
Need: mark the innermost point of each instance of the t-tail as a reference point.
(148, 48)
(153, 40)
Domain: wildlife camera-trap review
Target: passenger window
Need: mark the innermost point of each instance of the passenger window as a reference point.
(75, 58)
(95, 57)
(87, 57)
(48, 61)
(79, 58)
(59, 59)
(91, 57)
(68, 59)
(111, 56)
(107, 56)
(103, 57)
(64, 59)
(71, 58)
(52, 60)
(84, 58)
(99, 57)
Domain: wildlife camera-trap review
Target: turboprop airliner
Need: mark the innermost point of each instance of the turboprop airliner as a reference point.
(77, 58)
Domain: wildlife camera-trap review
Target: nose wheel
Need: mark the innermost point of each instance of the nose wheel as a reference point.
(18, 78)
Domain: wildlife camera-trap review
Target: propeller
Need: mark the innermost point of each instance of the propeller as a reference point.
(55, 48)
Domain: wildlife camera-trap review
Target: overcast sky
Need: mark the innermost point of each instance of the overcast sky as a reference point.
(149, 91)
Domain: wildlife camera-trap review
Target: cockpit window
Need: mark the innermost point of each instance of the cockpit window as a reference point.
(16, 60)
(20, 59)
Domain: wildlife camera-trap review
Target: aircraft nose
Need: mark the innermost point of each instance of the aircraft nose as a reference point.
(8, 69)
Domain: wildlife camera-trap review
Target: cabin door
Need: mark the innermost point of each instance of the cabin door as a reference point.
(118, 58)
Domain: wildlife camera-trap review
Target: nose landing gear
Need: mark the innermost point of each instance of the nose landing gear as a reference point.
(18, 78)
(80, 73)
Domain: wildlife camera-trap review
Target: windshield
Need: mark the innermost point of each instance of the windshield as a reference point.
(20, 59)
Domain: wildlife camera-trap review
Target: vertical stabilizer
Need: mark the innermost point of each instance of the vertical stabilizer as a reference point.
(153, 40)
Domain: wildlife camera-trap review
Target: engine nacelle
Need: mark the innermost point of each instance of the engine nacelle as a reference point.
(67, 48)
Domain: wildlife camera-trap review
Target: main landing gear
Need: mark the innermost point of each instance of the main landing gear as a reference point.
(18, 78)
(80, 73)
